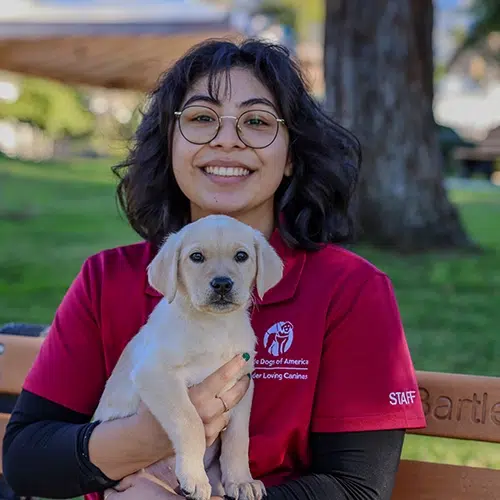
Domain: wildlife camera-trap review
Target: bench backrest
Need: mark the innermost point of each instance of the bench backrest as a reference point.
(461, 407)
(456, 406)
(17, 354)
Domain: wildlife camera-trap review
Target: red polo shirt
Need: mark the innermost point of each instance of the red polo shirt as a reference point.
(331, 357)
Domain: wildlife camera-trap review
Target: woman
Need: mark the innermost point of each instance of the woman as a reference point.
(232, 129)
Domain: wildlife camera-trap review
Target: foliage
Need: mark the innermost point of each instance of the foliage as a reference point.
(486, 15)
(298, 14)
(283, 14)
(57, 109)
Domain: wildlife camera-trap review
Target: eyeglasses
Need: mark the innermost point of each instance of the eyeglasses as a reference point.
(256, 128)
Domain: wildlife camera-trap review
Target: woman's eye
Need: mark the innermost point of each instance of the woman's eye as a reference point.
(197, 257)
(256, 122)
(203, 118)
(241, 256)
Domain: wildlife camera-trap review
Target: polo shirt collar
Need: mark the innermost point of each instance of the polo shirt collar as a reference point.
(293, 263)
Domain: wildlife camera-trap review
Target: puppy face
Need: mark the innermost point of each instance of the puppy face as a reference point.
(215, 262)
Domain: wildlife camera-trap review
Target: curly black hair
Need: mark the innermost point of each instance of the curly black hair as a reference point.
(312, 206)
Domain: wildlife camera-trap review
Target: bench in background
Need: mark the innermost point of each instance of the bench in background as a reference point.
(461, 407)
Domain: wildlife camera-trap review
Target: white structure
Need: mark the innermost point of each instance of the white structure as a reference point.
(110, 43)
(468, 97)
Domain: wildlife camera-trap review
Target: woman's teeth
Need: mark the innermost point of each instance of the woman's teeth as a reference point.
(227, 171)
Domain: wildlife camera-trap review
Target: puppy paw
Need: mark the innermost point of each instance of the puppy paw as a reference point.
(195, 487)
(248, 490)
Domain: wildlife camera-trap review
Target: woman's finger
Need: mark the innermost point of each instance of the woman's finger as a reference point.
(214, 428)
(233, 396)
(216, 406)
(126, 483)
(217, 380)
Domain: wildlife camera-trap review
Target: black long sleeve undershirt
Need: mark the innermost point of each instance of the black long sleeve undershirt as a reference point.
(45, 453)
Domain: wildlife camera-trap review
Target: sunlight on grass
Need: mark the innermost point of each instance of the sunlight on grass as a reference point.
(452, 451)
(77, 170)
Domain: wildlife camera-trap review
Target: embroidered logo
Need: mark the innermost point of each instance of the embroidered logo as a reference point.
(279, 338)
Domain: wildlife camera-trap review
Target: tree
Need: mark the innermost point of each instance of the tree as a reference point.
(379, 83)
(51, 106)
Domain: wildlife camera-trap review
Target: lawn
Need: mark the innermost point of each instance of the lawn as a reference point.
(52, 216)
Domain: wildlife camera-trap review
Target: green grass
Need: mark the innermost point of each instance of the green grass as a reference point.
(450, 302)
(52, 216)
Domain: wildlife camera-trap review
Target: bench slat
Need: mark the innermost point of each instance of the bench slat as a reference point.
(460, 406)
(17, 355)
(4, 419)
(431, 481)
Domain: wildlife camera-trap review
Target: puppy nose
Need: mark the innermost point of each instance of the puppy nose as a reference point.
(222, 284)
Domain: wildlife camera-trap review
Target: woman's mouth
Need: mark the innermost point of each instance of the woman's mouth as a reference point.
(227, 171)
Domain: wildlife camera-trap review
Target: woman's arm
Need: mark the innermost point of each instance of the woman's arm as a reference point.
(54, 452)
(46, 449)
(123, 446)
(347, 466)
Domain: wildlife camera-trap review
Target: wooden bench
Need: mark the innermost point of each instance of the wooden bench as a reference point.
(481, 157)
(461, 407)
(17, 354)
(456, 406)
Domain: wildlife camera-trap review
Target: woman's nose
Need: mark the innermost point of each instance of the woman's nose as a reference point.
(227, 136)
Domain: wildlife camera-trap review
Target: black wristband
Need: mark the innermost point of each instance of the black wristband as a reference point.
(84, 458)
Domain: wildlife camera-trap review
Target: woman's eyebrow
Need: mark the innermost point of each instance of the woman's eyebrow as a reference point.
(201, 97)
(210, 100)
(257, 100)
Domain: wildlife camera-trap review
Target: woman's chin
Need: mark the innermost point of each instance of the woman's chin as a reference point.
(224, 208)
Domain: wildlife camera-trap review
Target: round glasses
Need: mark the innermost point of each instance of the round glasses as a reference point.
(256, 128)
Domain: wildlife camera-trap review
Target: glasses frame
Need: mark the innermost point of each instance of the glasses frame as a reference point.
(279, 121)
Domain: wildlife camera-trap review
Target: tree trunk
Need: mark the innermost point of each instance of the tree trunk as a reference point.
(379, 84)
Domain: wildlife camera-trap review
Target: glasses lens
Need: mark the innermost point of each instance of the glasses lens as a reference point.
(199, 124)
(257, 129)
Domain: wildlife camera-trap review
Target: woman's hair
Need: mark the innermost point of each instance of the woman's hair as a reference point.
(311, 206)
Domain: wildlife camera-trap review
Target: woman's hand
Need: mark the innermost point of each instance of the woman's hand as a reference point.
(123, 446)
(136, 487)
(210, 404)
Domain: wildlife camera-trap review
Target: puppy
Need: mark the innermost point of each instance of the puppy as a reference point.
(206, 273)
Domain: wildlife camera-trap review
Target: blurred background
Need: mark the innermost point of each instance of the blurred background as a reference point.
(417, 81)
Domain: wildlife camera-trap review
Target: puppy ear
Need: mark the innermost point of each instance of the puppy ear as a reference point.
(269, 265)
(163, 269)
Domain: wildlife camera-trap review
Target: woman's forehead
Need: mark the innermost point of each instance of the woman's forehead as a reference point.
(234, 87)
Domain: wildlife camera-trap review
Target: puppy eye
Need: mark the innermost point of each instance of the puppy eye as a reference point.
(197, 257)
(241, 256)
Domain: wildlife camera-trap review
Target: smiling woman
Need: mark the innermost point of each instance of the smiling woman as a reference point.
(231, 129)
(230, 125)
(240, 153)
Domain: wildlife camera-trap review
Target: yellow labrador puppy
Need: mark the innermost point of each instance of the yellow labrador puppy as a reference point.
(206, 273)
